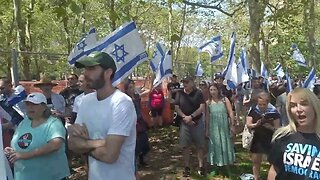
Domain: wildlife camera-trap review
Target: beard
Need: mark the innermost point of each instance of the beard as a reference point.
(97, 83)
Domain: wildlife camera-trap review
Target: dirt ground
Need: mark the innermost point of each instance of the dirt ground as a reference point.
(165, 160)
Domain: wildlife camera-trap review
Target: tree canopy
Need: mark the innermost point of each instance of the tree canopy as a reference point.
(266, 28)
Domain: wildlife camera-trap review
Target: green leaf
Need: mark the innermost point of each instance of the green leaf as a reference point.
(175, 37)
(113, 15)
(60, 12)
(75, 8)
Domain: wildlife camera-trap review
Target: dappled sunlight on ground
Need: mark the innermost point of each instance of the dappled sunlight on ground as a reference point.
(166, 162)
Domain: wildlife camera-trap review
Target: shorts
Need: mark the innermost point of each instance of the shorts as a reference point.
(156, 112)
(192, 134)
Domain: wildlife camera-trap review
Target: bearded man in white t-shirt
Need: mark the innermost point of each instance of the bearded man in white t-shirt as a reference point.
(105, 127)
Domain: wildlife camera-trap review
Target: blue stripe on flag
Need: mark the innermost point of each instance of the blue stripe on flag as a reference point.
(125, 68)
(231, 54)
(311, 77)
(130, 27)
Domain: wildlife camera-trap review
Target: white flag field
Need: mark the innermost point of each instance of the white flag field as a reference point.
(86, 43)
(157, 55)
(125, 46)
(199, 70)
(164, 69)
(213, 47)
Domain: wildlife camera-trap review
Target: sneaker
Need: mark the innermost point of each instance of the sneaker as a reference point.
(201, 171)
(186, 172)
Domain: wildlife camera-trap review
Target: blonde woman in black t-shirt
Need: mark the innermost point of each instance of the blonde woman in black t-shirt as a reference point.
(295, 150)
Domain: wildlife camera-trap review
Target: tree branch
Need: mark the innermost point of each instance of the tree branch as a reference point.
(215, 7)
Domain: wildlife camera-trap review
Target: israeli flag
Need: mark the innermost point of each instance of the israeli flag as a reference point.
(297, 56)
(164, 69)
(279, 70)
(242, 74)
(199, 71)
(5, 171)
(125, 46)
(244, 59)
(157, 55)
(311, 78)
(264, 71)
(230, 71)
(213, 47)
(19, 95)
(87, 42)
(289, 83)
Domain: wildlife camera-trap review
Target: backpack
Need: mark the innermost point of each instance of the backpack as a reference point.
(156, 99)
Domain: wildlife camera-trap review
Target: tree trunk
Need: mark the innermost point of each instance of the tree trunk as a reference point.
(256, 13)
(309, 21)
(181, 31)
(113, 24)
(67, 33)
(22, 38)
(83, 17)
(170, 33)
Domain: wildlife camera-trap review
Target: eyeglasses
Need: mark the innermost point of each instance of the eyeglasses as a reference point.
(2, 88)
(71, 79)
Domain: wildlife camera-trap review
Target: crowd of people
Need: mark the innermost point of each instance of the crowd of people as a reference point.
(106, 126)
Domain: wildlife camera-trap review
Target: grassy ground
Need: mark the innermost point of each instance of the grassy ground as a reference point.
(166, 162)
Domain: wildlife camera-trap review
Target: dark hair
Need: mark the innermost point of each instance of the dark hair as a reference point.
(46, 113)
(72, 74)
(6, 81)
(113, 72)
(316, 89)
(219, 91)
(126, 84)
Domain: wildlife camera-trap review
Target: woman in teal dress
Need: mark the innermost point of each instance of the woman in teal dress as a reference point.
(219, 129)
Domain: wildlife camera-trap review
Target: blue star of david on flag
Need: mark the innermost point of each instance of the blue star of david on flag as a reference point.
(119, 52)
(154, 54)
(81, 45)
(157, 55)
(87, 42)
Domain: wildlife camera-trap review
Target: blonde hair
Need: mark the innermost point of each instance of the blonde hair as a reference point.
(308, 96)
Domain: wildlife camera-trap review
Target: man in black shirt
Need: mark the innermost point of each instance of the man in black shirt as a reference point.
(173, 87)
(190, 105)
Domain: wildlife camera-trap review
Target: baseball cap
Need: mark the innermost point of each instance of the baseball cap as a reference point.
(218, 75)
(97, 58)
(36, 98)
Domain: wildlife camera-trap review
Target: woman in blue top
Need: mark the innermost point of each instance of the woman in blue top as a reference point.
(37, 147)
